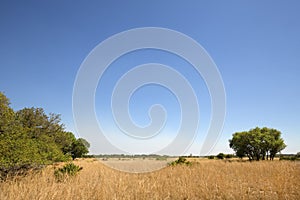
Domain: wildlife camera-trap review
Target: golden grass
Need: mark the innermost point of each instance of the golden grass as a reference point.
(137, 165)
(203, 180)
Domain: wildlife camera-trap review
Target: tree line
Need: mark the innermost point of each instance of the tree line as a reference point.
(29, 138)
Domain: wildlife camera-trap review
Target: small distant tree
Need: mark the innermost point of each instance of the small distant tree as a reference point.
(227, 156)
(220, 156)
(211, 157)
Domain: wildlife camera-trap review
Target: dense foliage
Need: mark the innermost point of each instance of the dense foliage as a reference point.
(258, 143)
(29, 138)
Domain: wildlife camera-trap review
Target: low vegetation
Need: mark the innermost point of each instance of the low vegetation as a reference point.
(180, 161)
(290, 157)
(221, 156)
(67, 171)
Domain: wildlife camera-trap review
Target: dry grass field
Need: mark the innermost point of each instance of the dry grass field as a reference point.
(206, 179)
(137, 165)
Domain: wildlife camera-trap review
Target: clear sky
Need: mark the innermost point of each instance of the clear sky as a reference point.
(255, 45)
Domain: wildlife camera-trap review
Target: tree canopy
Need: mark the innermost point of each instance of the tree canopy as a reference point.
(30, 138)
(257, 143)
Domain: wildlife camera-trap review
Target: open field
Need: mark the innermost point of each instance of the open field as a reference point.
(206, 179)
(137, 165)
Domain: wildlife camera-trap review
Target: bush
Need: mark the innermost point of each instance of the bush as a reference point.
(180, 161)
(211, 157)
(88, 156)
(220, 156)
(68, 170)
(292, 158)
(160, 158)
(228, 156)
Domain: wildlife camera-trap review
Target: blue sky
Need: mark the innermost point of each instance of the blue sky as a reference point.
(255, 45)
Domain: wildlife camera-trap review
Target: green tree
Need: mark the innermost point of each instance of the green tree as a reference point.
(65, 140)
(220, 156)
(276, 143)
(30, 138)
(7, 115)
(17, 150)
(39, 124)
(46, 131)
(79, 148)
(257, 143)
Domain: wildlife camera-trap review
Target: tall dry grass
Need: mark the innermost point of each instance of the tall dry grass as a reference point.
(203, 180)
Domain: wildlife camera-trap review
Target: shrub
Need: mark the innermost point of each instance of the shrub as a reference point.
(180, 161)
(68, 170)
(211, 157)
(160, 158)
(228, 156)
(220, 156)
(292, 158)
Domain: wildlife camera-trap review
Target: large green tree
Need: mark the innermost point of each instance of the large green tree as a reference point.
(257, 143)
(17, 150)
(30, 138)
